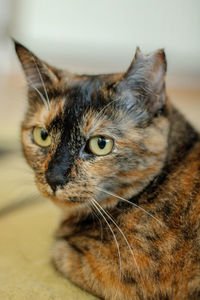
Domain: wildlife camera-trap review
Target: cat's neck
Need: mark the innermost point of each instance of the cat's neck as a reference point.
(182, 137)
(181, 140)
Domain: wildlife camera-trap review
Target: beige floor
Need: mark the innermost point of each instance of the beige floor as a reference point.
(26, 232)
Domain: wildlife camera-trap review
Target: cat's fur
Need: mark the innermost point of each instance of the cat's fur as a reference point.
(149, 247)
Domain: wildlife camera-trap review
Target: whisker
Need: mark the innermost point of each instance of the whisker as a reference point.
(125, 200)
(94, 202)
(96, 215)
(45, 90)
(41, 96)
(122, 233)
(101, 111)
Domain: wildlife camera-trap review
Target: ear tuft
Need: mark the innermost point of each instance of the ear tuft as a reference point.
(138, 52)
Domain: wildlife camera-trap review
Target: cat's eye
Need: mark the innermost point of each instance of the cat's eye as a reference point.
(100, 145)
(41, 137)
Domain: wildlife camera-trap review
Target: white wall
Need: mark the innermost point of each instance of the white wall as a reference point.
(103, 34)
(5, 16)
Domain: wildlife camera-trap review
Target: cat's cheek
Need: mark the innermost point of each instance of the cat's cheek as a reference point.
(31, 151)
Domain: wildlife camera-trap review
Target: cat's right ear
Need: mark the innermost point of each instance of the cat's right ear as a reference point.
(37, 72)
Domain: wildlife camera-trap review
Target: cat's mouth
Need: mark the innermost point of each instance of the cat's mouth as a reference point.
(71, 194)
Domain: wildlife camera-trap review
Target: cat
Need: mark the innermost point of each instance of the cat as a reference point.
(124, 166)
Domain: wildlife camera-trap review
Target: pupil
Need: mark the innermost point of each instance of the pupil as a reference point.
(101, 143)
(44, 134)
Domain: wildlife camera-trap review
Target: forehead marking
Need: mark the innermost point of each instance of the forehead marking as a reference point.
(56, 110)
(43, 117)
(89, 122)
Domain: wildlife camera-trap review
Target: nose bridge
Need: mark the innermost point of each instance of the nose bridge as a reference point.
(59, 167)
(62, 159)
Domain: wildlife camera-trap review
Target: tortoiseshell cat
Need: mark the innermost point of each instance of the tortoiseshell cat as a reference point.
(124, 166)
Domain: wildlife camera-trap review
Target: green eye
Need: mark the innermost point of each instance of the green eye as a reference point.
(41, 137)
(100, 145)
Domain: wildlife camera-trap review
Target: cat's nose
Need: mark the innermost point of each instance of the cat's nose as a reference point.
(55, 179)
(59, 168)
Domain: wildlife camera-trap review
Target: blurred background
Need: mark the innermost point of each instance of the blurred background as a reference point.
(90, 36)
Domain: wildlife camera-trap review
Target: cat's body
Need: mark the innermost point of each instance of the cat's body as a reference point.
(131, 217)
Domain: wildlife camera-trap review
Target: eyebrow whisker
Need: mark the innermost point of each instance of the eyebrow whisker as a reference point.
(45, 90)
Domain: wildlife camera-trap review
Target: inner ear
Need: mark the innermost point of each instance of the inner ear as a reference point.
(37, 72)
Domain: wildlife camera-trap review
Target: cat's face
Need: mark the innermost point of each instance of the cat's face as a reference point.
(85, 134)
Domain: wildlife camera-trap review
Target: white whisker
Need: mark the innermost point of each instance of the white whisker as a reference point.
(45, 90)
(122, 233)
(101, 111)
(115, 239)
(96, 215)
(41, 96)
(125, 200)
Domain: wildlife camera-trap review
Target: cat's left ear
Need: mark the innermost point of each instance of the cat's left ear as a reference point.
(37, 72)
(146, 79)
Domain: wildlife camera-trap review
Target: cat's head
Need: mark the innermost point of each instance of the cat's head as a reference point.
(84, 135)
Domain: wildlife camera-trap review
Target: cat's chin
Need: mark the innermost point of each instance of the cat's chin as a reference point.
(66, 204)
